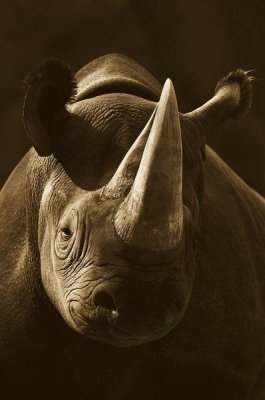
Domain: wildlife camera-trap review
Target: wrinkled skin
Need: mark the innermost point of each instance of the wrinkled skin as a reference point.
(75, 268)
(178, 323)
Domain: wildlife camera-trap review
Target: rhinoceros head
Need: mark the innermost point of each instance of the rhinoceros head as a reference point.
(120, 206)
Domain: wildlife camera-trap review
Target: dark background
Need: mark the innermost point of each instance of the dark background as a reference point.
(193, 42)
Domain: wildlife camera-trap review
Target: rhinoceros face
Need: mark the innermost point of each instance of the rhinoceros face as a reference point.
(118, 271)
(104, 288)
(120, 207)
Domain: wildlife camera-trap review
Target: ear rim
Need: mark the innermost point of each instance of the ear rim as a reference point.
(57, 76)
(242, 80)
(232, 100)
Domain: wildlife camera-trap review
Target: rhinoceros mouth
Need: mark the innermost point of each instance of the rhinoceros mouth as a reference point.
(117, 336)
(113, 85)
(98, 325)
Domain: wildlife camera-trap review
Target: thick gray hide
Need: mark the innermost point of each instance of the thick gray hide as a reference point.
(216, 348)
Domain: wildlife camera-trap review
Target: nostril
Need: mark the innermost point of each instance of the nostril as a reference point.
(104, 300)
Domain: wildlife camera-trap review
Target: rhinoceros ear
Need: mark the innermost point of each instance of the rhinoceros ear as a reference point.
(232, 99)
(47, 90)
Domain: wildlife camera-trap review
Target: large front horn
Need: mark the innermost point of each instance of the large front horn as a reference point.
(151, 216)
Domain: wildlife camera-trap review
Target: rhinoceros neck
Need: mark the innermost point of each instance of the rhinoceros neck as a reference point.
(233, 217)
(225, 187)
(116, 73)
(19, 257)
(13, 213)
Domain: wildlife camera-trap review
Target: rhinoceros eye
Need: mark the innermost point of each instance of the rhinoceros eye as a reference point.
(66, 234)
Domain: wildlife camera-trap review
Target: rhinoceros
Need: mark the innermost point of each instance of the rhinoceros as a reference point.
(132, 256)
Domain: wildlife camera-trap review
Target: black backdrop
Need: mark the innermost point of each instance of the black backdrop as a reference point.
(192, 42)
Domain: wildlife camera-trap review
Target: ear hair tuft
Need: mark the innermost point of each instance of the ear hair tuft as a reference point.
(244, 80)
(53, 72)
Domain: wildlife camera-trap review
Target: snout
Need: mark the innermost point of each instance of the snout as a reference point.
(130, 312)
(110, 299)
